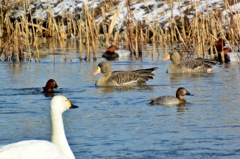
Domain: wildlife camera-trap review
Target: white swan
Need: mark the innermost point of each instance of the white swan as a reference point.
(58, 148)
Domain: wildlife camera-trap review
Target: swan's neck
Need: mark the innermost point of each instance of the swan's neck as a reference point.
(58, 135)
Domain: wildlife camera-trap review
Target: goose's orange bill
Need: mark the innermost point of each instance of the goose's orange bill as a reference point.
(97, 71)
(166, 58)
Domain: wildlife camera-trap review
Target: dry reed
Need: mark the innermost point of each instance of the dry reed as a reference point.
(195, 38)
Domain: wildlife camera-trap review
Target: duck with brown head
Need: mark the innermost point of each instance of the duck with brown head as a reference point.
(50, 85)
(110, 52)
(223, 55)
(171, 100)
(113, 53)
(226, 53)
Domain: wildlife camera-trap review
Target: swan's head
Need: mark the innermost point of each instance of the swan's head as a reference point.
(61, 104)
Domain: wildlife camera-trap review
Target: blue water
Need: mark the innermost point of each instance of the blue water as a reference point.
(118, 123)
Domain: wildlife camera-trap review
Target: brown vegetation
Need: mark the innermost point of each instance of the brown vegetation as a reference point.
(195, 37)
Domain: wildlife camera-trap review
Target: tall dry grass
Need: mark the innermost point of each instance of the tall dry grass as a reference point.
(194, 38)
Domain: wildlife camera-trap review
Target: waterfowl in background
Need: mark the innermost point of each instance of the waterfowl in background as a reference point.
(179, 66)
(51, 83)
(122, 78)
(41, 149)
(219, 45)
(171, 100)
(228, 55)
(224, 53)
(113, 52)
(110, 52)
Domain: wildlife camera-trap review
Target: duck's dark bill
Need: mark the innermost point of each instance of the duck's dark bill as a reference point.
(189, 94)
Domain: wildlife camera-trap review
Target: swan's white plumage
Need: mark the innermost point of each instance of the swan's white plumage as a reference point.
(35, 149)
(40, 149)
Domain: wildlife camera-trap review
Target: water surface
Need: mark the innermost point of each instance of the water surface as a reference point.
(118, 123)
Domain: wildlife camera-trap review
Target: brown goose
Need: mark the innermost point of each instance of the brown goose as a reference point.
(198, 65)
(122, 78)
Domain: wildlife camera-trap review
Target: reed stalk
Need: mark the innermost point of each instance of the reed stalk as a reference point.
(140, 39)
(80, 34)
(113, 22)
(93, 38)
(87, 57)
(1, 20)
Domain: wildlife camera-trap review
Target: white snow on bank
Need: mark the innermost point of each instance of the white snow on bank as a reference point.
(148, 11)
(232, 8)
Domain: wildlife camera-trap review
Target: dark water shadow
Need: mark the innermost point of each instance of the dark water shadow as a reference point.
(46, 94)
(35, 91)
(111, 58)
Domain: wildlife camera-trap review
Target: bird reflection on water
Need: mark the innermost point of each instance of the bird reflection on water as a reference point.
(124, 89)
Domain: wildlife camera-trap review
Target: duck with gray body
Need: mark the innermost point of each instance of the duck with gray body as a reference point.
(171, 100)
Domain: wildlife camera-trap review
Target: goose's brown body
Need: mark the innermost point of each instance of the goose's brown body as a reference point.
(199, 65)
(122, 78)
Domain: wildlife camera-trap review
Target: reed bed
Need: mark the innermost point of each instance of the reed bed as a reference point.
(193, 38)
